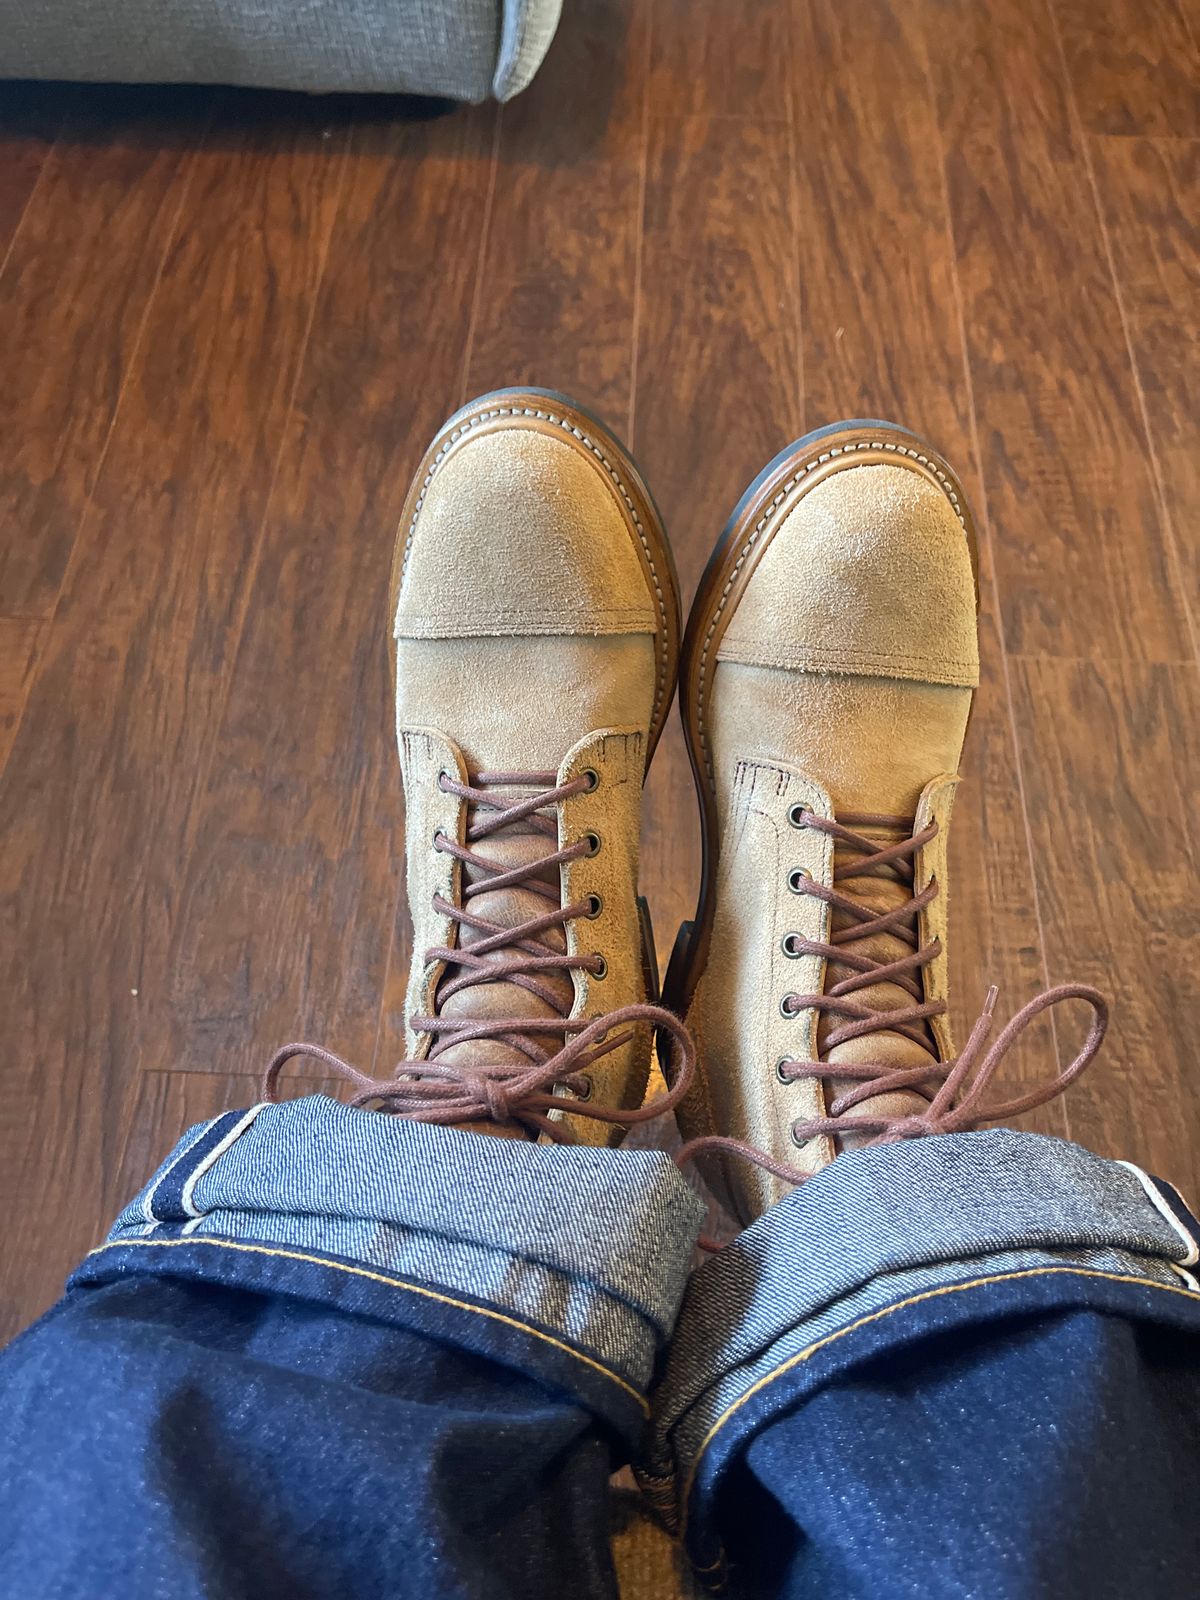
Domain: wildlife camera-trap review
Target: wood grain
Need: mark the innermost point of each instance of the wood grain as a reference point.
(20, 641)
(718, 366)
(709, 58)
(1150, 194)
(1082, 556)
(1149, 190)
(126, 701)
(718, 389)
(30, 119)
(286, 904)
(1134, 64)
(1112, 802)
(996, 927)
(76, 286)
(882, 334)
(559, 275)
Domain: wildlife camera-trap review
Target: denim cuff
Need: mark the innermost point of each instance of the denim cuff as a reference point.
(887, 1242)
(592, 1245)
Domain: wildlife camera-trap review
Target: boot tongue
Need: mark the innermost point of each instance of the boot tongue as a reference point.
(879, 891)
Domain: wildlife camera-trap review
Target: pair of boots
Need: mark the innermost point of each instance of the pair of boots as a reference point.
(825, 684)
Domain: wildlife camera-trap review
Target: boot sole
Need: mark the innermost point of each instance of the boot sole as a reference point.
(751, 527)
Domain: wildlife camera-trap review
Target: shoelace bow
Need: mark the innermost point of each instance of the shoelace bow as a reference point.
(523, 1091)
(954, 1089)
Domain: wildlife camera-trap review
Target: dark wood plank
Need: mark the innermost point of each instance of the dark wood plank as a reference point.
(1112, 784)
(20, 642)
(30, 118)
(882, 337)
(1150, 194)
(96, 793)
(996, 934)
(76, 287)
(709, 58)
(556, 303)
(288, 896)
(1149, 190)
(1134, 64)
(1081, 554)
(718, 388)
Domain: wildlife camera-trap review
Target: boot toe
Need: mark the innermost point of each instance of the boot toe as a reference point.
(520, 526)
(870, 572)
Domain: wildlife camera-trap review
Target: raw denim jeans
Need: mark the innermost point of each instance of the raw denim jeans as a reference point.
(328, 1353)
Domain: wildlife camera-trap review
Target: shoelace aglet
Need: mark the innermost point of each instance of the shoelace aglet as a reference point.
(983, 1025)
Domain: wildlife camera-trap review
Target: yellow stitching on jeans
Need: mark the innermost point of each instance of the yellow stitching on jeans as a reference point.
(877, 1316)
(378, 1277)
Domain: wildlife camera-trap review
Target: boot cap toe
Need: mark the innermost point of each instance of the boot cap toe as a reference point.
(870, 572)
(522, 528)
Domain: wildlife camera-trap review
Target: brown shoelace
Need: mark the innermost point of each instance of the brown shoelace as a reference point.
(868, 858)
(953, 1089)
(523, 1091)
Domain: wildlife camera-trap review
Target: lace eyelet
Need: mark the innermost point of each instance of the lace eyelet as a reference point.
(595, 905)
(787, 945)
(438, 836)
(593, 841)
(593, 778)
(586, 1092)
(601, 971)
(785, 1010)
(799, 1143)
(444, 778)
(784, 1061)
(797, 814)
(797, 877)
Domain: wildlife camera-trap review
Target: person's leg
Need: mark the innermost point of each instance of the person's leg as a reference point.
(939, 1361)
(330, 1352)
(959, 1366)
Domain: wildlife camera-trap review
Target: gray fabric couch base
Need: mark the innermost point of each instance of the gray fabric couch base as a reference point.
(460, 49)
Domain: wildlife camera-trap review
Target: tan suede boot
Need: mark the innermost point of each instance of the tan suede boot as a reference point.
(536, 623)
(828, 671)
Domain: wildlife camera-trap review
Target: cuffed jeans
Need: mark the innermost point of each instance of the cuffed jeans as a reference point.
(328, 1353)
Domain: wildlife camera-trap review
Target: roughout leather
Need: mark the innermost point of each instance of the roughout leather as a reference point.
(935, 805)
(550, 547)
(525, 641)
(612, 811)
(424, 753)
(521, 703)
(842, 727)
(860, 538)
(843, 678)
(748, 974)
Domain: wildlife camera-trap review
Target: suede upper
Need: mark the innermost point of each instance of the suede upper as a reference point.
(521, 531)
(868, 573)
(836, 677)
(528, 621)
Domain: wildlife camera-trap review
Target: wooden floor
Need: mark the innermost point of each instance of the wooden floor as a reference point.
(228, 324)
